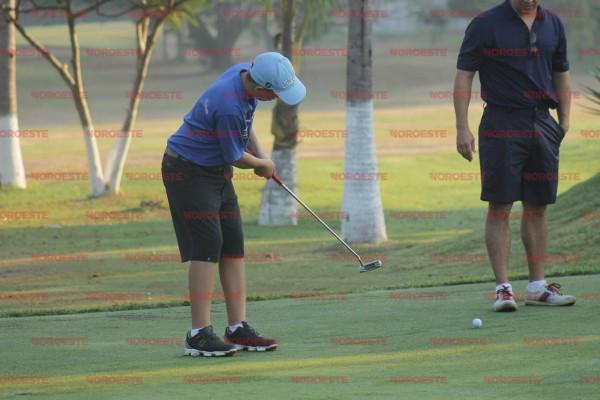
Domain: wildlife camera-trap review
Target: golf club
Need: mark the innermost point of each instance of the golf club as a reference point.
(373, 265)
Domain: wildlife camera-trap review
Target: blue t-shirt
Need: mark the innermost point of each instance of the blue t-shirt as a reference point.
(216, 131)
(498, 44)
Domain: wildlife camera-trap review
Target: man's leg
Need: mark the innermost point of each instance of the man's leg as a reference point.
(497, 239)
(232, 271)
(534, 233)
(201, 280)
(539, 189)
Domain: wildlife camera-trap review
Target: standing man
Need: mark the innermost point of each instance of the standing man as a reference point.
(520, 51)
(197, 171)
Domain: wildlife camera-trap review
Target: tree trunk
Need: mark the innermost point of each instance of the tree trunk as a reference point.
(97, 183)
(165, 46)
(362, 211)
(180, 43)
(276, 207)
(214, 43)
(12, 171)
(117, 155)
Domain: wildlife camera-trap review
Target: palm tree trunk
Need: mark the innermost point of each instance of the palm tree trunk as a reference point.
(277, 207)
(362, 211)
(12, 171)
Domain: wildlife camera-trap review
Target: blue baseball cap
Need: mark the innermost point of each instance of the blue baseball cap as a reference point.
(275, 72)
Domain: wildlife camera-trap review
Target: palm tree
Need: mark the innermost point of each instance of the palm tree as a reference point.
(277, 208)
(362, 210)
(12, 172)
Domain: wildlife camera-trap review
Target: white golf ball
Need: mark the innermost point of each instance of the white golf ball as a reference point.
(476, 323)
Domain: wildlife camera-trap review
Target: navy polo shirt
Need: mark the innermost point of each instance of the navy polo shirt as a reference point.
(216, 131)
(497, 44)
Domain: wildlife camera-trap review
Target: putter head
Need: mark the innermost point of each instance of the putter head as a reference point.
(373, 265)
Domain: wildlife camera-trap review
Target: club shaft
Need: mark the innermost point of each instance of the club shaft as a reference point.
(287, 189)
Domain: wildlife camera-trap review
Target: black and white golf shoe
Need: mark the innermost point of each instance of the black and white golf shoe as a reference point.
(207, 344)
(246, 338)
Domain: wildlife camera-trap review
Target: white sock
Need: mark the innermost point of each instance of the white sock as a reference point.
(194, 332)
(500, 285)
(535, 286)
(233, 327)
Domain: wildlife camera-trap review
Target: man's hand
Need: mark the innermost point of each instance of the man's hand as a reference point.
(562, 86)
(465, 143)
(266, 169)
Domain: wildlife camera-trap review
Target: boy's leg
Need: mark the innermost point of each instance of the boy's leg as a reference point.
(232, 271)
(201, 281)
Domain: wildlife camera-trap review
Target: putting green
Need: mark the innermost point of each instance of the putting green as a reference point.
(399, 344)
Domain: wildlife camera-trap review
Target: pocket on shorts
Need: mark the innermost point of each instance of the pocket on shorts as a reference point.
(560, 132)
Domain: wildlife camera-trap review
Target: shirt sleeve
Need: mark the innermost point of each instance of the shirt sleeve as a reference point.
(229, 132)
(471, 54)
(560, 61)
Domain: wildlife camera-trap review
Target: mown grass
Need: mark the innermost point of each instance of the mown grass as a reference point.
(411, 343)
(120, 251)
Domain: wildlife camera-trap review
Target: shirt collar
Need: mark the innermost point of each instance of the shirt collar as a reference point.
(241, 89)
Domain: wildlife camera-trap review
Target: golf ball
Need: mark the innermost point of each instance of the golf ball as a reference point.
(476, 323)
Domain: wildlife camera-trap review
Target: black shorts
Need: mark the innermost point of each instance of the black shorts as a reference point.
(519, 155)
(205, 211)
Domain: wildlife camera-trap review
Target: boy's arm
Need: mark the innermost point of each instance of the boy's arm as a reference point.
(262, 166)
(254, 146)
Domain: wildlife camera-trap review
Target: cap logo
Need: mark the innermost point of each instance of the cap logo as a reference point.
(288, 83)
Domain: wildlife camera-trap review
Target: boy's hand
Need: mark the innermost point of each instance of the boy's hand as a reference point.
(266, 170)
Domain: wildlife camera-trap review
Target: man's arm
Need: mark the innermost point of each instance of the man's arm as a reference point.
(463, 84)
(562, 86)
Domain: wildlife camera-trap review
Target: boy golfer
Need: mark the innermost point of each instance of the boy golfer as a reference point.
(197, 171)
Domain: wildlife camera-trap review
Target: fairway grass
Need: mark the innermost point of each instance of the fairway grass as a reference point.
(76, 260)
(93, 300)
(413, 344)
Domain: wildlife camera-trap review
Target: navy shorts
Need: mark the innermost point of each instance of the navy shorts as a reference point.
(205, 211)
(519, 155)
